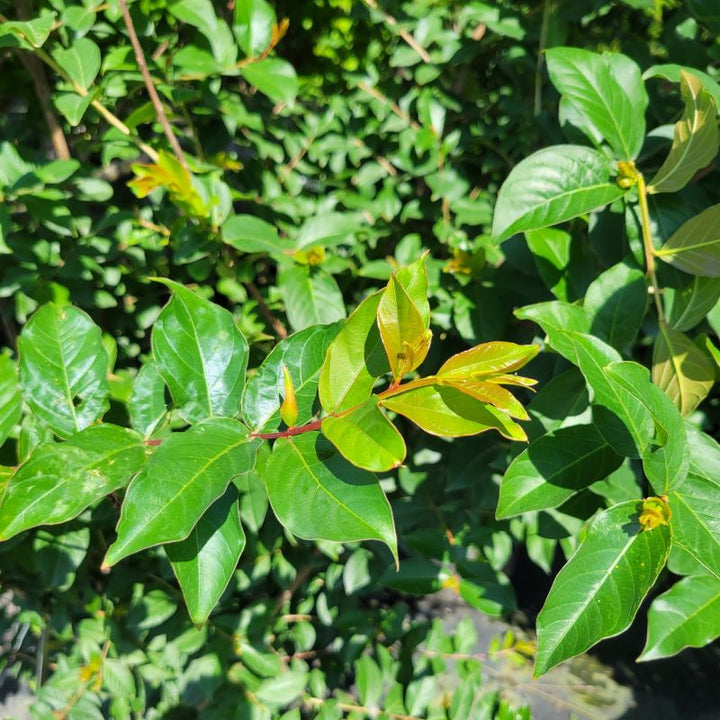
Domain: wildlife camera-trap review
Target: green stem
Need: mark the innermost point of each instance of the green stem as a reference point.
(648, 247)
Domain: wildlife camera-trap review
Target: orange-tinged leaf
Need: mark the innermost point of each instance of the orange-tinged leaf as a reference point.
(493, 358)
(491, 393)
(289, 407)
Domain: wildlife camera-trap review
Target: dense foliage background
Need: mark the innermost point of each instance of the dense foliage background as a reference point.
(330, 142)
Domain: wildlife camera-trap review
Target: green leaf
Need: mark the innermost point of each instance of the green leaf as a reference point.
(369, 679)
(616, 303)
(695, 504)
(557, 319)
(402, 330)
(665, 454)
(10, 398)
(695, 141)
(449, 412)
(62, 368)
(681, 369)
(200, 354)
(554, 468)
(606, 91)
(205, 561)
(695, 246)
(187, 473)
(253, 26)
(598, 592)
(328, 230)
(551, 186)
(687, 615)
(687, 306)
(198, 13)
(147, 401)
(366, 438)
(73, 106)
(28, 34)
(551, 249)
(311, 296)
(317, 495)
(303, 353)
(283, 689)
(59, 480)
(81, 61)
(59, 554)
(674, 73)
(354, 360)
(250, 234)
(273, 77)
(414, 280)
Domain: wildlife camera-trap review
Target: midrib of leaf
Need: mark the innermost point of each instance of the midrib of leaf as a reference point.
(687, 618)
(700, 558)
(327, 492)
(682, 248)
(567, 193)
(187, 484)
(605, 105)
(675, 365)
(68, 393)
(571, 618)
(200, 353)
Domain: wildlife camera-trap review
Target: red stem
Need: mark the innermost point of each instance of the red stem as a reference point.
(299, 430)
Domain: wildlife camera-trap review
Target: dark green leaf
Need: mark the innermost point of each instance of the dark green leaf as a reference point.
(695, 246)
(312, 297)
(10, 398)
(147, 402)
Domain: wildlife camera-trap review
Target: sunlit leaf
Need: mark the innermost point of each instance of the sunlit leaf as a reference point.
(695, 246)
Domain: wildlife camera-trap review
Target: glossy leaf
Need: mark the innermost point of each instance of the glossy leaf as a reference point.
(205, 561)
(185, 475)
(551, 186)
(147, 402)
(687, 615)
(695, 246)
(317, 495)
(366, 438)
(311, 296)
(200, 354)
(696, 504)
(695, 141)
(59, 480)
(303, 353)
(554, 468)
(616, 303)
(598, 592)
(354, 360)
(402, 330)
(606, 91)
(665, 453)
(674, 72)
(448, 412)
(556, 318)
(289, 406)
(63, 368)
(489, 392)
(250, 234)
(684, 372)
(10, 397)
(414, 279)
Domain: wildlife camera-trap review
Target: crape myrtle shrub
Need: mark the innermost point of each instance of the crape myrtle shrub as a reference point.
(219, 282)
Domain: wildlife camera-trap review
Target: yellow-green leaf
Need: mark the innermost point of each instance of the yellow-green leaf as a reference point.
(489, 392)
(289, 407)
(366, 438)
(492, 358)
(448, 412)
(695, 141)
(695, 246)
(682, 370)
(402, 329)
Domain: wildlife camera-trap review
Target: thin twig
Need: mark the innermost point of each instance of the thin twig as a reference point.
(369, 712)
(152, 92)
(393, 105)
(277, 326)
(541, 56)
(404, 34)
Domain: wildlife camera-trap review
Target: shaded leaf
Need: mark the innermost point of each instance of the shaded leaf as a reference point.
(311, 296)
(205, 561)
(695, 246)
(554, 468)
(10, 398)
(684, 372)
(686, 307)
(695, 140)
